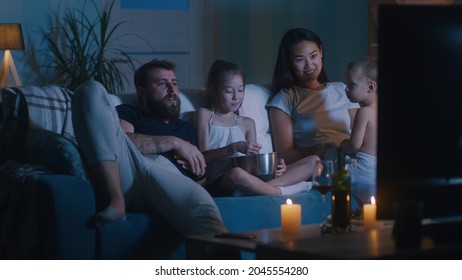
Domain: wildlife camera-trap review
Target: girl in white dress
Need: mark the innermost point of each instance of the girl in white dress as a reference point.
(223, 134)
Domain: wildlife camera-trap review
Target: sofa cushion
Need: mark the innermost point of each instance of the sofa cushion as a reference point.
(65, 204)
(55, 151)
(264, 211)
(253, 107)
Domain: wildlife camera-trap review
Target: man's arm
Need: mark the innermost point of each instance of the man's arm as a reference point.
(150, 144)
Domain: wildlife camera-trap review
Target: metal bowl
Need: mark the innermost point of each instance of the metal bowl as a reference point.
(262, 166)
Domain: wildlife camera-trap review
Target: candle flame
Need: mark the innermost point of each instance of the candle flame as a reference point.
(289, 201)
(372, 200)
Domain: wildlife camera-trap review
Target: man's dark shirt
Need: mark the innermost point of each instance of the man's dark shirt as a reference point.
(144, 124)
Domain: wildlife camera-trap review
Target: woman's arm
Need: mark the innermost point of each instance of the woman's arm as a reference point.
(283, 139)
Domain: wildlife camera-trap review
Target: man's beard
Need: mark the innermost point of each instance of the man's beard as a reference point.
(163, 109)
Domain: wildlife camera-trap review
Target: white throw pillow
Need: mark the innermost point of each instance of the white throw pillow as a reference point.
(253, 107)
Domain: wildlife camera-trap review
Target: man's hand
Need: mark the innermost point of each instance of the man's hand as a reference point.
(186, 154)
(189, 157)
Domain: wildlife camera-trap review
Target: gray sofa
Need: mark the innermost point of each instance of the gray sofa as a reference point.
(46, 197)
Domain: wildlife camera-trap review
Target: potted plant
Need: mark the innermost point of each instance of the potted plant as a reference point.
(80, 48)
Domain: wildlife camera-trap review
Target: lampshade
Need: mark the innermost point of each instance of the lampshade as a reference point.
(11, 36)
(10, 39)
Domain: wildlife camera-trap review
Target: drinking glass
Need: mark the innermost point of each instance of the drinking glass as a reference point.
(322, 182)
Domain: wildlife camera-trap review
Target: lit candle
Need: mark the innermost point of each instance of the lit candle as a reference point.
(369, 214)
(291, 217)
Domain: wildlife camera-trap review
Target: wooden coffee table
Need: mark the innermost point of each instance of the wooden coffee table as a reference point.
(311, 244)
(197, 244)
(376, 244)
(360, 244)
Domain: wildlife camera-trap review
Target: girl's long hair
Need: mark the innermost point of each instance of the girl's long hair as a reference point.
(219, 70)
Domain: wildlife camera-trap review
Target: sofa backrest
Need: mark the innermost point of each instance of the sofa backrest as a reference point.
(37, 126)
(252, 107)
(48, 107)
(50, 139)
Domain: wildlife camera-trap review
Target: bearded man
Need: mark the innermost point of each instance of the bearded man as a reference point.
(144, 159)
(155, 127)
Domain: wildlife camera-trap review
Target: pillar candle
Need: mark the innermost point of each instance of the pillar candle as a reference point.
(291, 217)
(369, 214)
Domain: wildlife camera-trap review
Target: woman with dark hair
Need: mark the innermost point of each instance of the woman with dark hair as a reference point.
(308, 114)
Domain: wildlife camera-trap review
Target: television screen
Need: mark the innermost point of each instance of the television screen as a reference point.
(420, 109)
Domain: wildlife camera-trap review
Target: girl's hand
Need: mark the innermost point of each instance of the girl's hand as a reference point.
(248, 148)
(253, 148)
(281, 168)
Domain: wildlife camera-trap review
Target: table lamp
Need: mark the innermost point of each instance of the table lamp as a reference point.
(10, 39)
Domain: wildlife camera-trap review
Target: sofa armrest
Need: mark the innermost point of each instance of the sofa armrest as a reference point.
(65, 203)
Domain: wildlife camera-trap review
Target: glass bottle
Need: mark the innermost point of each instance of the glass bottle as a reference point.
(341, 196)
